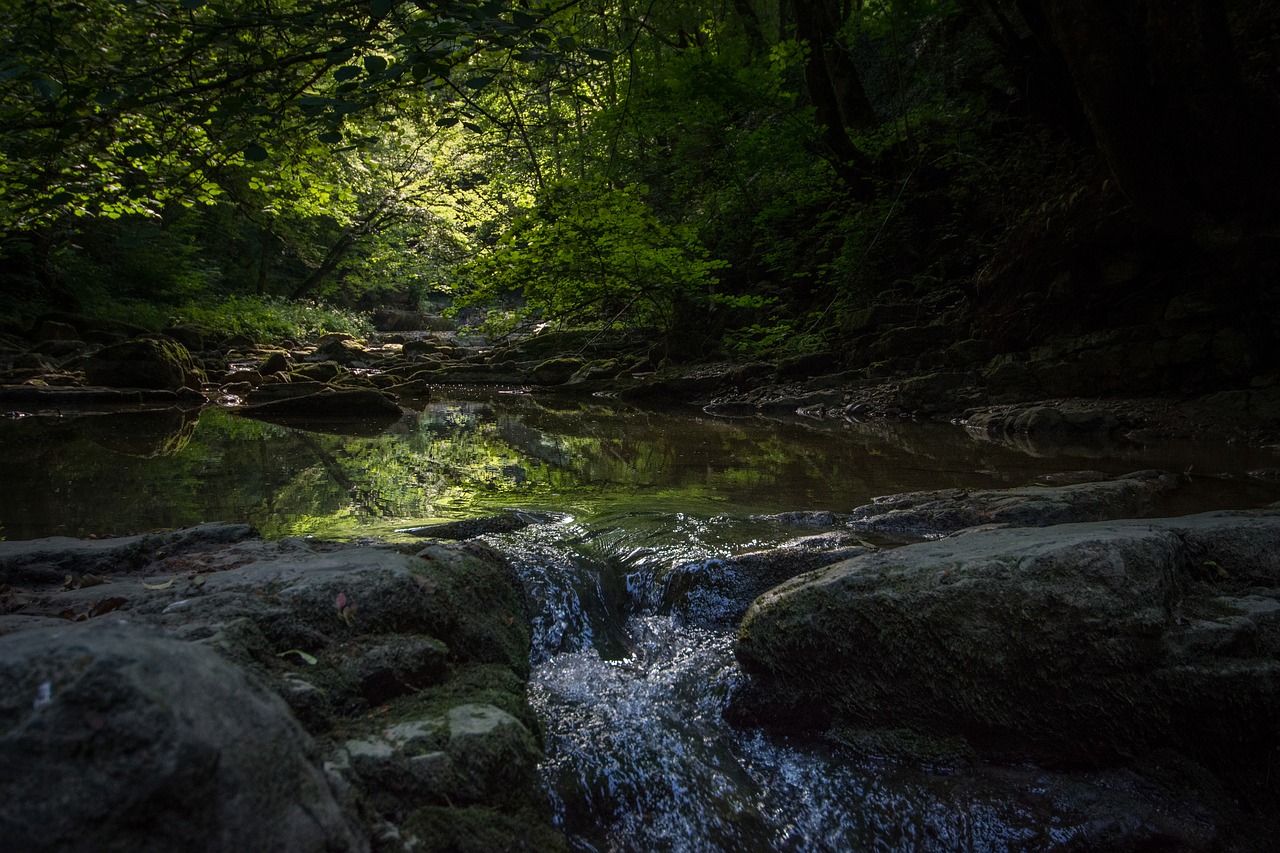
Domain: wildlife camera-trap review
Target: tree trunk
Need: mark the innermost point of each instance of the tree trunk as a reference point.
(830, 93)
(264, 260)
(330, 263)
(750, 26)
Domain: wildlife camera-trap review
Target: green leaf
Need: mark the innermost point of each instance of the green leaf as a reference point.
(12, 69)
(598, 53)
(255, 153)
(567, 43)
(477, 83)
(61, 197)
(330, 137)
(375, 64)
(47, 87)
(447, 122)
(346, 72)
(524, 19)
(379, 8)
(194, 4)
(474, 128)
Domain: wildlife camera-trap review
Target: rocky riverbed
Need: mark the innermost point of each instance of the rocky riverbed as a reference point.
(66, 362)
(206, 688)
(203, 688)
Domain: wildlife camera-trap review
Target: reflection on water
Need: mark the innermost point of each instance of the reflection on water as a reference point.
(122, 473)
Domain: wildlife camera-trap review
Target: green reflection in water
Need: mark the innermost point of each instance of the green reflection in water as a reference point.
(127, 472)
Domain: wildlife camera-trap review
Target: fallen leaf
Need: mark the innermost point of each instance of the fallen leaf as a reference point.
(164, 585)
(309, 660)
(88, 580)
(427, 584)
(198, 581)
(106, 605)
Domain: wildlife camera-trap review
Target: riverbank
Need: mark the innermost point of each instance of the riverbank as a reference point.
(62, 365)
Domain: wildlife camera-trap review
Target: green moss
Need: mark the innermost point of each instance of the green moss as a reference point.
(474, 591)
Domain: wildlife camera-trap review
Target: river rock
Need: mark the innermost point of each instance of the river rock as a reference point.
(557, 371)
(949, 510)
(355, 644)
(195, 338)
(270, 391)
(1078, 643)
(52, 330)
(144, 363)
(340, 348)
(469, 528)
(718, 591)
(113, 737)
(1042, 420)
(277, 362)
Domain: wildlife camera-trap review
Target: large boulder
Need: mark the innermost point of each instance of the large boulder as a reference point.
(1075, 643)
(113, 737)
(408, 669)
(144, 363)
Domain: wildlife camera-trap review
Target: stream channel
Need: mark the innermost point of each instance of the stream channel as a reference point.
(630, 686)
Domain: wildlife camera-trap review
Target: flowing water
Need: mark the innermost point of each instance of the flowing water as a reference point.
(630, 683)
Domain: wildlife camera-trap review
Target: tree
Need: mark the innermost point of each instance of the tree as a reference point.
(121, 107)
(592, 253)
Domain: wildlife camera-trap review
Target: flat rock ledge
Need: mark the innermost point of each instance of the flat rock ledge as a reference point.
(1079, 645)
(203, 689)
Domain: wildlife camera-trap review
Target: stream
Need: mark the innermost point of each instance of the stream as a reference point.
(629, 682)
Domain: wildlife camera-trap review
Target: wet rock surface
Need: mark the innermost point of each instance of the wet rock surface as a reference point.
(915, 515)
(114, 737)
(717, 592)
(390, 686)
(469, 528)
(1100, 644)
(950, 510)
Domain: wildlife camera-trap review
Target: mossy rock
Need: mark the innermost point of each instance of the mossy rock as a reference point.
(1076, 643)
(556, 371)
(323, 371)
(479, 602)
(144, 363)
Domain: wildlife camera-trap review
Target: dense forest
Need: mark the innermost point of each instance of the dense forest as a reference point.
(863, 178)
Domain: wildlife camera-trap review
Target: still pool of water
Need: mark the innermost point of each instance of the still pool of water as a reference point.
(630, 694)
(112, 474)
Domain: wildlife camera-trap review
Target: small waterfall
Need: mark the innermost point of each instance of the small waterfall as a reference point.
(631, 691)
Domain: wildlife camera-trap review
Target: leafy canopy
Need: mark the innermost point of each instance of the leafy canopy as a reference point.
(589, 252)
